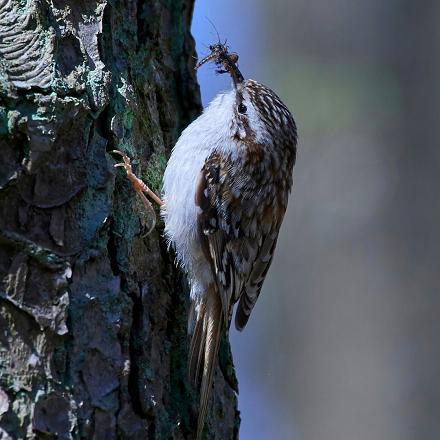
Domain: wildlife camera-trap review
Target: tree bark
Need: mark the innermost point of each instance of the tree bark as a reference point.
(93, 313)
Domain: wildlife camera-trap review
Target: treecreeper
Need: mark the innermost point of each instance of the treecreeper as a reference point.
(225, 192)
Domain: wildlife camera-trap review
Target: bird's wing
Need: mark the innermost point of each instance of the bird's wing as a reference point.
(252, 288)
(238, 227)
(238, 220)
(216, 233)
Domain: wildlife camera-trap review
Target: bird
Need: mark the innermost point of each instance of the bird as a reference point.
(225, 193)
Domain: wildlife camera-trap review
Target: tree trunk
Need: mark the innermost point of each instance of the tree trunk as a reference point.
(93, 313)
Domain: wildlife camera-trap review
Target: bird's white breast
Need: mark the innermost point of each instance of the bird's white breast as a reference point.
(210, 131)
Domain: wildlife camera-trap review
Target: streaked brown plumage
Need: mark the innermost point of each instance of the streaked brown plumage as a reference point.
(241, 199)
(225, 191)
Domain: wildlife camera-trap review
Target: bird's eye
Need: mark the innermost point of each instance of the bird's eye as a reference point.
(242, 108)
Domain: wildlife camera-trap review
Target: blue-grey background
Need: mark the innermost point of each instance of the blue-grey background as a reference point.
(344, 343)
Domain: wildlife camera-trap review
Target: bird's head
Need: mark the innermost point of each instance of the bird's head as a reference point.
(258, 114)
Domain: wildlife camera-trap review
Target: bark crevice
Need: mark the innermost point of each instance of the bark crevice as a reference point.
(93, 339)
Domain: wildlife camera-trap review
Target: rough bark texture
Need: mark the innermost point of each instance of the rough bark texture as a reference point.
(93, 337)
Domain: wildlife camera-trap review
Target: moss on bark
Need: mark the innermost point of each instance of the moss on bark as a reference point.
(93, 337)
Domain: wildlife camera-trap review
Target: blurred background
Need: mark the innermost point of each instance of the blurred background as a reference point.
(344, 342)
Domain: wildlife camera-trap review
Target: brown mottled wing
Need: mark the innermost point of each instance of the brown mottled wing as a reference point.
(252, 288)
(215, 231)
(238, 232)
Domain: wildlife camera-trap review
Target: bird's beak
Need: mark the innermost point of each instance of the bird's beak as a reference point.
(237, 77)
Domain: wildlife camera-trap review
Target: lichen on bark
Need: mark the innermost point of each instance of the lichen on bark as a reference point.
(93, 337)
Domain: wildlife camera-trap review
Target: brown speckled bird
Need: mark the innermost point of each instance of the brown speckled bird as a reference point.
(225, 193)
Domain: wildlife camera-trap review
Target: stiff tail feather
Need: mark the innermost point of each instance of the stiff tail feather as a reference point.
(204, 349)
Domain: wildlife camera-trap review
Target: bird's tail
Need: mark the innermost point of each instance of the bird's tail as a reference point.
(204, 349)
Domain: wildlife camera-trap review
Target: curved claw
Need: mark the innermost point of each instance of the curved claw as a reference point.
(126, 161)
(118, 152)
(139, 186)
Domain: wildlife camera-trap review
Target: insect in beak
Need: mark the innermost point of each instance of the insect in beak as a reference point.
(226, 62)
(213, 55)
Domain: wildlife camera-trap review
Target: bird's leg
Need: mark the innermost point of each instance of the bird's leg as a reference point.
(138, 185)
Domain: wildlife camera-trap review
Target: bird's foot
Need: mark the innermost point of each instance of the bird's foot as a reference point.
(140, 187)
